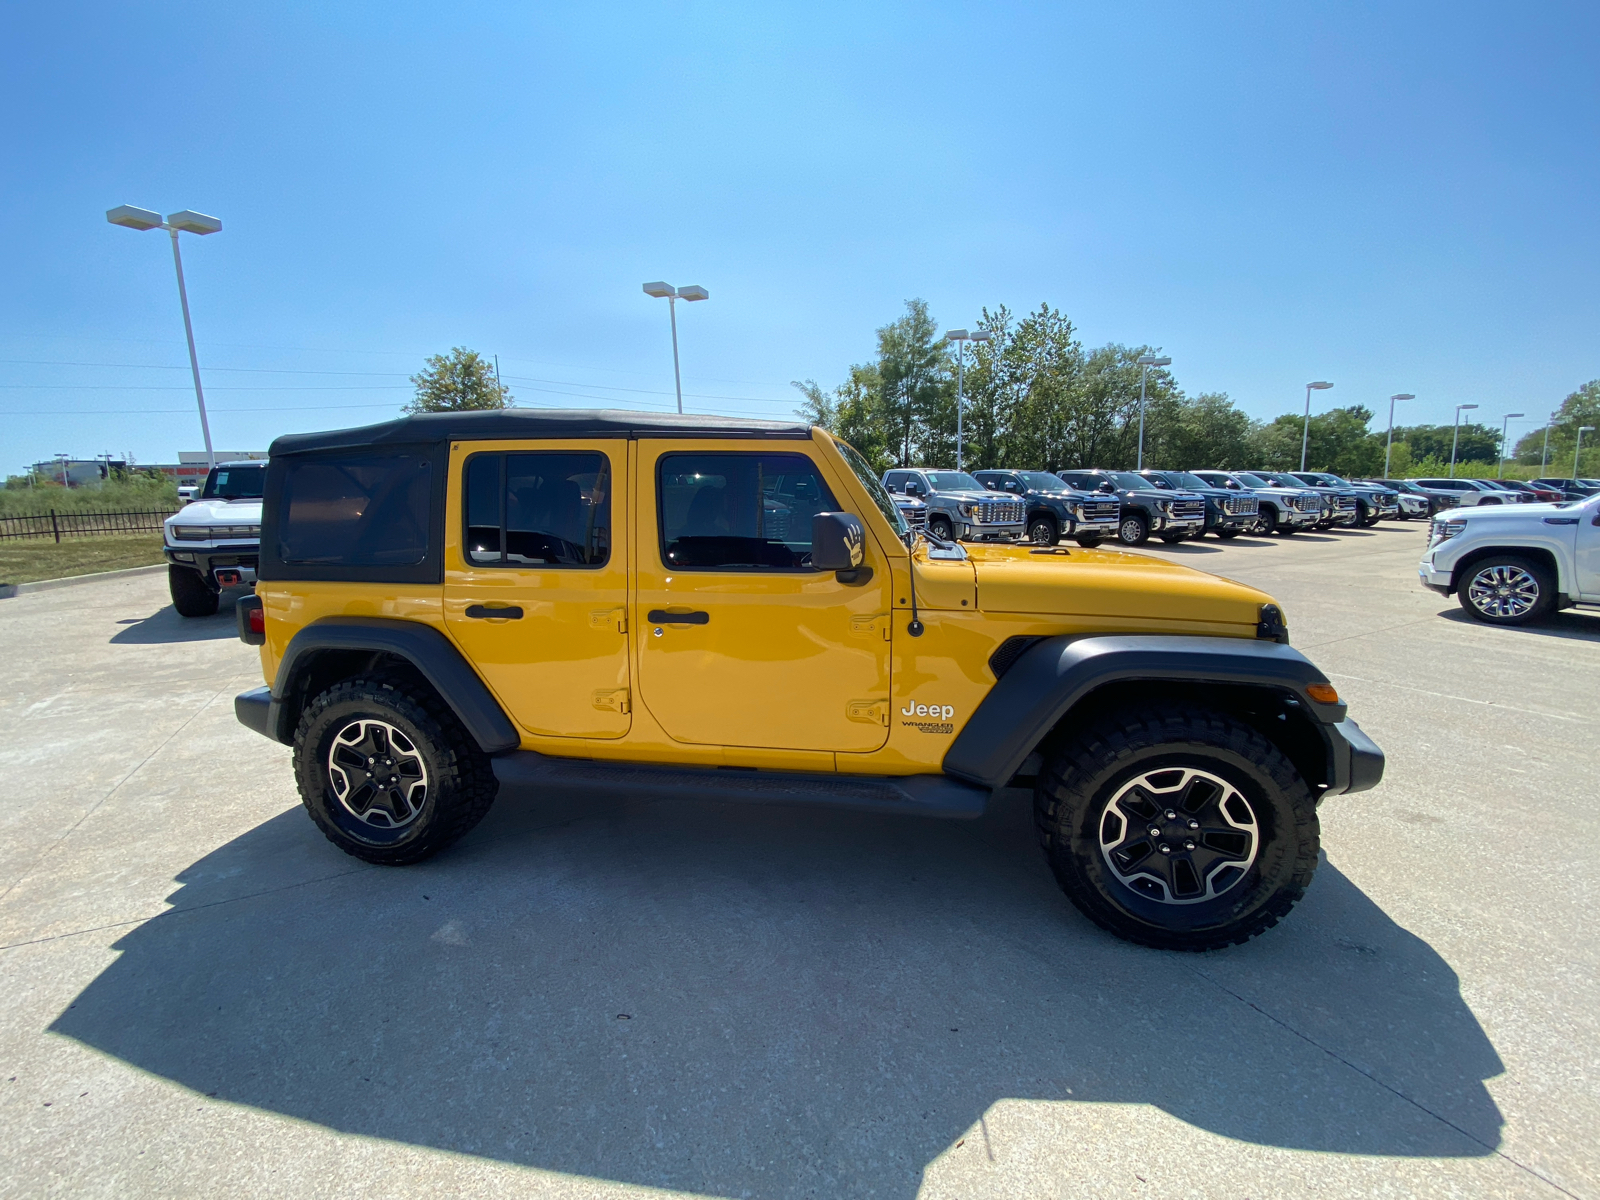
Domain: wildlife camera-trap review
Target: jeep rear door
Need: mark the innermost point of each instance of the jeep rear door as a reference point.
(740, 641)
(536, 579)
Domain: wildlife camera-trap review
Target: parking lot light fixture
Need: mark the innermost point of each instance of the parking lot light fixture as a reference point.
(1500, 472)
(1582, 429)
(665, 291)
(187, 221)
(1320, 385)
(1389, 445)
(1456, 437)
(1146, 361)
(961, 337)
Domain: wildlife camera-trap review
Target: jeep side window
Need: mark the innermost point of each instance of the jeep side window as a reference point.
(544, 509)
(355, 510)
(738, 511)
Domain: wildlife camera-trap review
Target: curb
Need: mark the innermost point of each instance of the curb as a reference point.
(7, 590)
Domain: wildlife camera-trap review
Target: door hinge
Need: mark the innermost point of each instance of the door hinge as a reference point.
(878, 625)
(610, 616)
(612, 700)
(868, 712)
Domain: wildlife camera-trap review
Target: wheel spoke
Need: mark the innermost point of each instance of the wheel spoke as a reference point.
(377, 774)
(1179, 835)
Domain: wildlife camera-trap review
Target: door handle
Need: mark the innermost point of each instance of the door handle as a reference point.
(481, 612)
(1561, 520)
(660, 616)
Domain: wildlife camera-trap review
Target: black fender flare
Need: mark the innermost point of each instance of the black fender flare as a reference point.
(424, 647)
(1054, 675)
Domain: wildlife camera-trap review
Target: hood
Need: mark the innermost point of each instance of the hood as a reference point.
(1163, 494)
(983, 497)
(1124, 588)
(218, 512)
(1517, 512)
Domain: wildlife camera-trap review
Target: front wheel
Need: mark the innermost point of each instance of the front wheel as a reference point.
(940, 528)
(1172, 539)
(190, 594)
(1042, 531)
(1177, 827)
(1226, 534)
(1507, 590)
(1134, 530)
(388, 772)
(1088, 542)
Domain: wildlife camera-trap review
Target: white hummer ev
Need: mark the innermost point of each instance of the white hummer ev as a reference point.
(1512, 564)
(214, 542)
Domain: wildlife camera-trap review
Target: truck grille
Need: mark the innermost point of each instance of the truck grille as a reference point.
(1240, 506)
(1344, 504)
(1306, 503)
(915, 517)
(1102, 510)
(997, 512)
(1188, 510)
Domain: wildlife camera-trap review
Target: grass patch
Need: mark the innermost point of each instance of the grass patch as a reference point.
(132, 495)
(42, 558)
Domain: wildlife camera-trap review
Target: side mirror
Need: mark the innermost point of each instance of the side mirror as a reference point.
(1105, 486)
(838, 541)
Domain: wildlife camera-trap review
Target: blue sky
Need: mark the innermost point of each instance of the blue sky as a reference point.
(1394, 197)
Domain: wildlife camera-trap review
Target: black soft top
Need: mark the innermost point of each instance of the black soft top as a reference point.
(532, 423)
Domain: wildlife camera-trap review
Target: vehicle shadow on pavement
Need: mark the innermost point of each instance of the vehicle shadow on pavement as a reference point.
(165, 626)
(1583, 627)
(765, 1001)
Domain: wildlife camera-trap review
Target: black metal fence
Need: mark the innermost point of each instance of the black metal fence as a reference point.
(81, 524)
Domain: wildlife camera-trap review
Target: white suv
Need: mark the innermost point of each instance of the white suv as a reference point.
(1468, 491)
(214, 542)
(1516, 563)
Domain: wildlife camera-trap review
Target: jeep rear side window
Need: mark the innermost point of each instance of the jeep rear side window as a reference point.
(738, 512)
(355, 510)
(541, 509)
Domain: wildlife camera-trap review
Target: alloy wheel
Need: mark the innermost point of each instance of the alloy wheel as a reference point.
(377, 774)
(1503, 590)
(1179, 835)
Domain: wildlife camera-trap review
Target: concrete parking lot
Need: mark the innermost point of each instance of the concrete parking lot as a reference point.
(198, 994)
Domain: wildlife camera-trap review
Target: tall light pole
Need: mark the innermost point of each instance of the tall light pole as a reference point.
(1146, 361)
(961, 337)
(665, 291)
(1582, 429)
(1321, 385)
(1456, 437)
(1389, 445)
(187, 221)
(1545, 457)
(1500, 472)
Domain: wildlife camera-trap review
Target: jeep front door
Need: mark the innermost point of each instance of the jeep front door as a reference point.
(740, 641)
(536, 585)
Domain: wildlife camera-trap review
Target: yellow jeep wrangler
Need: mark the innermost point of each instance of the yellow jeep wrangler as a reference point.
(737, 610)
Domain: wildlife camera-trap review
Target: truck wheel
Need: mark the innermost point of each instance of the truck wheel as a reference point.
(1042, 532)
(1089, 542)
(1228, 534)
(387, 771)
(1266, 521)
(1134, 530)
(1177, 827)
(1505, 589)
(1172, 539)
(190, 595)
(940, 528)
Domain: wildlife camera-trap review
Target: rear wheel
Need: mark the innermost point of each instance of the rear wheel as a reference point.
(191, 595)
(1134, 530)
(1506, 589)
(1177, 827)
(1042, 531)
(388, 772)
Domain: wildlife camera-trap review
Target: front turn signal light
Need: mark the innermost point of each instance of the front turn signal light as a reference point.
(1322, 693)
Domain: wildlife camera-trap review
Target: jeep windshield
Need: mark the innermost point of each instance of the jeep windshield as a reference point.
(1043, 481)
(875, 488)
(235, 483)
(953, 481)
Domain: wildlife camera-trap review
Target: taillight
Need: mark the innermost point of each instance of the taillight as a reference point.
(258, 620)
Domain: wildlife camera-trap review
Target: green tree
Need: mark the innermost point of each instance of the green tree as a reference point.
(1338, 441)
(461, 381)
(1581, 407)
(853, 412)
(1207, 432)
(917, 387)
(1476, 444)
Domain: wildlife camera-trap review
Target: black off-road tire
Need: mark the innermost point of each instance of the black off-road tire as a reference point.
(190, 594)
(1133, 529)
(460, 783)
(1089, 542)
(1087, 773)
(1529, 590)
(1042, 531)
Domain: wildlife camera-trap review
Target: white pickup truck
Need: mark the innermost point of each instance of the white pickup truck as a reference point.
(1516, 563)
(214, 542)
